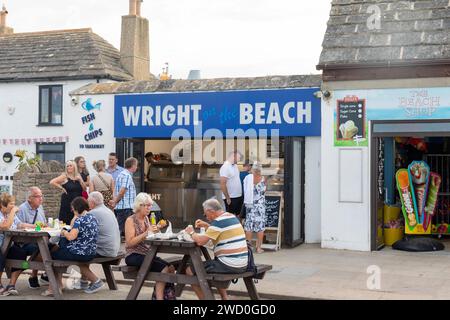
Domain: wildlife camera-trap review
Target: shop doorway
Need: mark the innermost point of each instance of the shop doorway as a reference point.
(396, 145)
(127, 148)
(294, 226)
(180, 188)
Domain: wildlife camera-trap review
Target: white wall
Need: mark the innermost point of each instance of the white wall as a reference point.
(312, 190)
(24, 97)
(345, 225)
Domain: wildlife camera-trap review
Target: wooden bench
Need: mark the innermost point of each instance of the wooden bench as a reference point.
(216, 280)
(106, 262)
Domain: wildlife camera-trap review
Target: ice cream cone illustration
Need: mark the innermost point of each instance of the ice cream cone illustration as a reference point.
(420, 173)
(404, 188)
(348, 129)
(433, 189)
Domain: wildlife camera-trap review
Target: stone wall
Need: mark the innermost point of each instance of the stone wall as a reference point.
(40, 176)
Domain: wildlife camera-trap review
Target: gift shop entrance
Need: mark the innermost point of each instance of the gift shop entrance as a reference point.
(410, 180)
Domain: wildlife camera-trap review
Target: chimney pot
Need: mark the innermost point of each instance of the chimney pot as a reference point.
(133, 7)
(134, 47)
(3, 28)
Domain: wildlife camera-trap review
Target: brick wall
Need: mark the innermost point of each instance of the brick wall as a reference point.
(40, 176)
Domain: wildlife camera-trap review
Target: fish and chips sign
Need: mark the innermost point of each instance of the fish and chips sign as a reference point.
(88, 122)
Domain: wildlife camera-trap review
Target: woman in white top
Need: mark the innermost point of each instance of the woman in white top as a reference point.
(103, 182)
(255, 203)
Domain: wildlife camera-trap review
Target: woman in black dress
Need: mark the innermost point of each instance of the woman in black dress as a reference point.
(72, 185)
(84, 173)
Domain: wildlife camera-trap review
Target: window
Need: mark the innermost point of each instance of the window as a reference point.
(50, 105)
(51, 151)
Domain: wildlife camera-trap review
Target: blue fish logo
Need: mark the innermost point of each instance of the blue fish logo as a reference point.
(88, 106)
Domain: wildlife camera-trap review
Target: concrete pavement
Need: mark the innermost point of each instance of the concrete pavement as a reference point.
(309, 272)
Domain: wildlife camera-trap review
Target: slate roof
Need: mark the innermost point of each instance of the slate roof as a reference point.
(415, 31)
(56, 55)
(218, 84)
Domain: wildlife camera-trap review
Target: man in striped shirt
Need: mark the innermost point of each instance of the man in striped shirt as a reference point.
(228, 237)
(124, 193)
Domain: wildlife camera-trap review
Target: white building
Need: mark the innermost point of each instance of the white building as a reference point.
(37, 72)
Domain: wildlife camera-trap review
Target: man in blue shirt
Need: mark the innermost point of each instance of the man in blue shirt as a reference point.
(31, 212)
(113, 168)
(125, 193)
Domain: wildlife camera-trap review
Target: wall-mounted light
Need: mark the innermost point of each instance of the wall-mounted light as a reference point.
(11, 110)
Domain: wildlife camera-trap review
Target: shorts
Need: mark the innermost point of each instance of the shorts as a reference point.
(136, 260)
(215, 266)
(63, 253)
(235, 206)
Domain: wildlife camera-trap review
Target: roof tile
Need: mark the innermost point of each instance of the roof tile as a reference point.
(62, 54)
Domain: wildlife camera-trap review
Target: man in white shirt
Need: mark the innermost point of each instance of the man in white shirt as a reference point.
(230, 183)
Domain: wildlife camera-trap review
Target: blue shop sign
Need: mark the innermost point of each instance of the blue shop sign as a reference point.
(286, 112)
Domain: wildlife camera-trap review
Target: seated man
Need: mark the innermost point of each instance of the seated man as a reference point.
(108, 242)
(228, 237)
(31, 212)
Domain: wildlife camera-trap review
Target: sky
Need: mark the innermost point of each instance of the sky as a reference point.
(221, 38)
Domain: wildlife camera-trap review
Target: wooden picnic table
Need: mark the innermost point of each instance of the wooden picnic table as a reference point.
(190, 251)
(41, 239)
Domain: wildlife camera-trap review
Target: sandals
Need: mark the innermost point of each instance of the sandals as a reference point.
(47, 293)
(259, 251)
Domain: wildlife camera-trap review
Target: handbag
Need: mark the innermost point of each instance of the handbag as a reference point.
(107, 194)
(169, 292)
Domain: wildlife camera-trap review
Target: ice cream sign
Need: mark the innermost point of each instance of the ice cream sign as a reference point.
(351, 124)
(88, 122)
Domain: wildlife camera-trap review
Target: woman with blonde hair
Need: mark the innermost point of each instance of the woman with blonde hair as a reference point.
(137, 228)
(10, 221)
(103, 182)
(84, 173)
(72, 185)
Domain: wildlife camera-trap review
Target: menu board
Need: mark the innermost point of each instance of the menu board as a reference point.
(351, 119)
(273, 209)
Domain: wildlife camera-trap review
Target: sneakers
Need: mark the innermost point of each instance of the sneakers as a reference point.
(44, 280)
(33, 283)
(80, 284)
(10, 291)
(94, 287)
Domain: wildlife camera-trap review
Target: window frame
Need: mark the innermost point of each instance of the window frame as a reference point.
(63, 144)
(50, 105)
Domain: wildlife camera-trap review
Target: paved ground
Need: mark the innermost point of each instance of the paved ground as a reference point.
(314, 273)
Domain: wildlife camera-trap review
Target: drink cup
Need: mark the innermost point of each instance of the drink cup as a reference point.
(50, 222)
(202, 230)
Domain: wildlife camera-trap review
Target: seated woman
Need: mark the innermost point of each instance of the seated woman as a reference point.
(10, 221)
(80, 243)
(137, 228)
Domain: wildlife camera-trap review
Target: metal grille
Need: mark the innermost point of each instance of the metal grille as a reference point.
(440, 163)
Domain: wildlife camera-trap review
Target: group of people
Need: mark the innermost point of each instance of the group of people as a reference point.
(111, 209)
(93, 232)
(244, 195)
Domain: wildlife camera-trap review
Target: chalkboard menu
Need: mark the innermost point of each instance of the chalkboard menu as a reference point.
(351, 118)
(273, 209)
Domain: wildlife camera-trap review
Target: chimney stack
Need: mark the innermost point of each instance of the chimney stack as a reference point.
(3, 28)
(135, 43)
